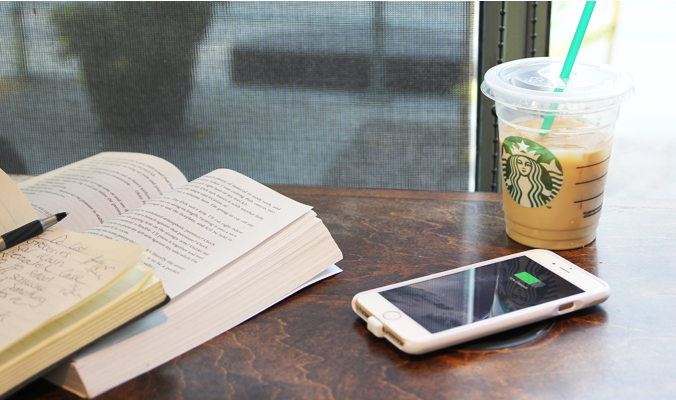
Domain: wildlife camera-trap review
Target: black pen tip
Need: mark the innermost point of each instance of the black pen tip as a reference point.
(61, 216)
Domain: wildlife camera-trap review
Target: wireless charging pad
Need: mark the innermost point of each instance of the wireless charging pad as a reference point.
(511, 338)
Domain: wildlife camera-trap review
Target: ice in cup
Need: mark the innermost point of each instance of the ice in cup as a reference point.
(553, 179)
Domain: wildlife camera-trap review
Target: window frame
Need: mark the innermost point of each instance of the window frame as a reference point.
(510, 23)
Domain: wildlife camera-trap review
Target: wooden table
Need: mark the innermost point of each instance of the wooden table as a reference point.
(312, 346)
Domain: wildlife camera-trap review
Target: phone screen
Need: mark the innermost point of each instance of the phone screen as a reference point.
(488, 291)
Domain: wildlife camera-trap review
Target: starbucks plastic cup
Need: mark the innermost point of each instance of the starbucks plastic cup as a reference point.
(553, 179)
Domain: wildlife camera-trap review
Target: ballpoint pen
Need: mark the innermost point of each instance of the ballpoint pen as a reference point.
(31, 229)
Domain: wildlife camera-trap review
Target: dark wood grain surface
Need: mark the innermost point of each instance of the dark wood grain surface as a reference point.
(312, 346)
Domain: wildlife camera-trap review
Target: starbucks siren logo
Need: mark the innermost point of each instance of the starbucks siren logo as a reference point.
(532, 174)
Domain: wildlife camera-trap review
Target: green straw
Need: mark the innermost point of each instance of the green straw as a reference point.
(570, 58)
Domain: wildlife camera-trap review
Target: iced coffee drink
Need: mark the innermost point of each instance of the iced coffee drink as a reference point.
(553, 179)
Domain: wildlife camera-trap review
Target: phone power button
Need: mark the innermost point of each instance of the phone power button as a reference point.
(391, 315)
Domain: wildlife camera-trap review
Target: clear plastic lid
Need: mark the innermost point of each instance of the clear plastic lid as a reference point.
(535, 84)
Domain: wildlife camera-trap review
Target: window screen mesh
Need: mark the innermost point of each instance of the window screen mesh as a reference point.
(354, 94)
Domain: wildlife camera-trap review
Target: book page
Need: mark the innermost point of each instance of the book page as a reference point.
(49, 274)
(101, 187)
(15, 209)
(202, 226)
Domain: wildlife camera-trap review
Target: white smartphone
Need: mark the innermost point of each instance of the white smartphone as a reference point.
(452, 307)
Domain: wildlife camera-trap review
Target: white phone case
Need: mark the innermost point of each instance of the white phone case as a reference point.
(386, 320)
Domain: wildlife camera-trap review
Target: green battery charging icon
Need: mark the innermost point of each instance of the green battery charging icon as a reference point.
(529, 279)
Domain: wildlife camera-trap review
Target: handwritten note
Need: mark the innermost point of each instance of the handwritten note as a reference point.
(50, 274)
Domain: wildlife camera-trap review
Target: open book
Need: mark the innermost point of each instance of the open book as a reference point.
(224, 246)
(61, 290)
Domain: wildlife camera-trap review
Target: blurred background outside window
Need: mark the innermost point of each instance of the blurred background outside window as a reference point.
(365, 94)
(362, 94)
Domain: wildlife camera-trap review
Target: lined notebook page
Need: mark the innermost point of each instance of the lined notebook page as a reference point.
(49, 274)
(134, 281)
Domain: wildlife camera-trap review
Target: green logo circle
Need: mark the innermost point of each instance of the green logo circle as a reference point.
(532, 174)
